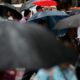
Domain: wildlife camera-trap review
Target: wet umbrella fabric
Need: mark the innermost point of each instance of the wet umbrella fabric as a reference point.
(6, 6)
(70, 22)
(31, 46)
(46, 13)
(51, 18)
(26, 5)
(75, 12)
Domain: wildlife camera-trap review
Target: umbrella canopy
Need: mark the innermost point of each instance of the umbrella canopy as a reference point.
(45, 3)
(70, 22)
(47, 13)
(75, 12)
(31, 46)
(6, 6)
(27, 5)
(51, 18)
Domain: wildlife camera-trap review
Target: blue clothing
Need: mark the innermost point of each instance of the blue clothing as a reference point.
(42, 75)
(68, 74)
(57, 74)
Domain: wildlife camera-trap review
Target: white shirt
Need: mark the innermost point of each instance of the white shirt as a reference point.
(23, 20)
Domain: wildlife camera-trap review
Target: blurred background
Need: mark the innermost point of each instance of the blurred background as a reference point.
(69, 2)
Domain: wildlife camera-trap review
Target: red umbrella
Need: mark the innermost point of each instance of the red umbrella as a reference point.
(45, 3)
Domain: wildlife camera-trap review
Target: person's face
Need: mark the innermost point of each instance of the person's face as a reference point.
(49, 8)
(39, 10)
(28, 16)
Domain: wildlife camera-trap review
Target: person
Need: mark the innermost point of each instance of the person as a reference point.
(51, 8)
(8, 74)
(59, 72)
(26, 16)
(78, 33)
(64, 72)
(28, 74)
(43, 74)
(39, 9)
(12, 15)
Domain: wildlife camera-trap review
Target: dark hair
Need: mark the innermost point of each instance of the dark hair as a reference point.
(26, 12)
(38, 7)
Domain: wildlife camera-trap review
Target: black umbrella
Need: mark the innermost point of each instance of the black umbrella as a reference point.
(9, 7)
(70, 22)
(31, 46)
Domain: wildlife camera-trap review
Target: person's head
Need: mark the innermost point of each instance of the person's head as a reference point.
(39, 9)
(51, 8)
(27, 13)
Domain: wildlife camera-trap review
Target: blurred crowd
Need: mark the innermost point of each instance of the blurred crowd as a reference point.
(41, 14)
